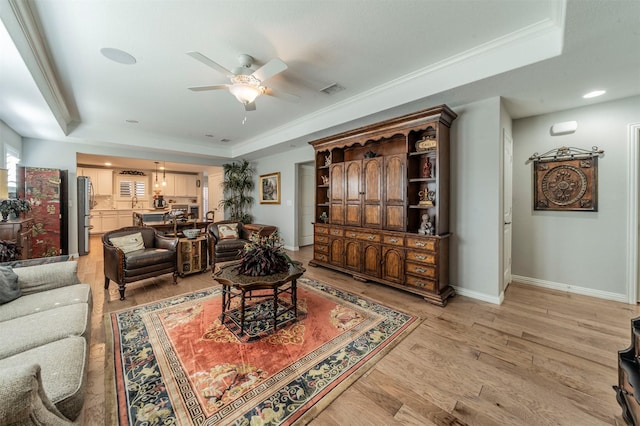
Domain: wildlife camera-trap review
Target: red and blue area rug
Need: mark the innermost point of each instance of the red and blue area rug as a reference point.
(175, 363)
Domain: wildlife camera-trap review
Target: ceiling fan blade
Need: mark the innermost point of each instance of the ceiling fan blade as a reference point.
(204, 88)
(268, 70)
(208, 62)
(250, 107)
(281, 95)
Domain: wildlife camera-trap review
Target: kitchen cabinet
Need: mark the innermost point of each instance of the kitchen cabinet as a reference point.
(178, 185)
(185, 185)
(101, 180)
(383, 192)
(105, 220)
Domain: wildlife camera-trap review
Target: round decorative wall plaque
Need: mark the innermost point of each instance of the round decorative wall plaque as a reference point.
(564, 185)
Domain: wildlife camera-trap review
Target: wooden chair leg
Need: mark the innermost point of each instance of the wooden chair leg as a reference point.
(121, 290)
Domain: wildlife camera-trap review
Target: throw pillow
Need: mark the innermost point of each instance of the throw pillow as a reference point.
(228, 231)
(9, 288)
(128, 243)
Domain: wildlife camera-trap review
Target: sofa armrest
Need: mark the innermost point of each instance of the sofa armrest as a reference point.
(169, 243)
(23, 401)
(34, 279)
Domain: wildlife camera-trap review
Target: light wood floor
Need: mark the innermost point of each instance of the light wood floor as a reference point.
(541, 358)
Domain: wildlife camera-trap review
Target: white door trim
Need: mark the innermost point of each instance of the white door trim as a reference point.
(632, 216)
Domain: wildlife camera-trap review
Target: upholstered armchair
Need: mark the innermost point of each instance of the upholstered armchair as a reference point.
(226, 240)
(135, 253)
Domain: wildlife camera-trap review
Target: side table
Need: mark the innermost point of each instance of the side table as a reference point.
(236, 285)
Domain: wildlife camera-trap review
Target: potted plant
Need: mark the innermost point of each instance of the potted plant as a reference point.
(237, 186)
(15, 206)
(264, 256)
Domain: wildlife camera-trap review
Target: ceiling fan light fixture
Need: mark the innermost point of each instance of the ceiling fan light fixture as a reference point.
(245, 93)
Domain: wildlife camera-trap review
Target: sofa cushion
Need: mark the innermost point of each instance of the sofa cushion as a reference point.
(45, 300)
(128, 243)
(230, 245)
(148, 257)
(30, 331)
(34, 279)
(9, 288)
(63, 366)
(228, 231)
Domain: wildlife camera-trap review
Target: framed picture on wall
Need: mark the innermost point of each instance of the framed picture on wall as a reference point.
(270, 188)
(566, 179)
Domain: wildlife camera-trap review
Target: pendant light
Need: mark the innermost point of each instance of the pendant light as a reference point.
(156, 185)
(164, 171)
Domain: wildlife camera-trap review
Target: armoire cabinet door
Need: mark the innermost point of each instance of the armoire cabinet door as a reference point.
(394, 199)
(353, 196)
(336, 251)
(371, 259)
(392, 264)
(372, 192)
(352, 255)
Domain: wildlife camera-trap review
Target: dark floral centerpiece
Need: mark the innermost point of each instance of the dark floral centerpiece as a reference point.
(15, 206)
(264, 256)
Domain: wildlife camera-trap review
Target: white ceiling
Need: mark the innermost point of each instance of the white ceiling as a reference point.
(392, 57)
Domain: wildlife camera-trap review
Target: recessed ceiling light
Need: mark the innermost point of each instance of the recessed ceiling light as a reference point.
(132, 121)
(594, 94)
(209, 135)
(117, 55)
(107, 164)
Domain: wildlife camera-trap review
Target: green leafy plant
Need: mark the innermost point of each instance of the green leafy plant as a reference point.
(264, 256)
(238, 185)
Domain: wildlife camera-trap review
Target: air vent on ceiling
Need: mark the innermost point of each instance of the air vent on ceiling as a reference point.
(225, 140)
(333, 88)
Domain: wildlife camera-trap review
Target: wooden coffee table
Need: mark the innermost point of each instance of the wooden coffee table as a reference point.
(236, 285)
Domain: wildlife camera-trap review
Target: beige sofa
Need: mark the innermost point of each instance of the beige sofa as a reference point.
(44, 355)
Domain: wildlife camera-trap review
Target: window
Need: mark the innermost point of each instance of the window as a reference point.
(12, 158)
(132, 188)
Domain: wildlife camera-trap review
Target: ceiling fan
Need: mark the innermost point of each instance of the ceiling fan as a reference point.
(246, 84)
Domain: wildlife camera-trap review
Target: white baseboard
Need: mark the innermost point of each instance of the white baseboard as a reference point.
(479, 296)
(570, 288)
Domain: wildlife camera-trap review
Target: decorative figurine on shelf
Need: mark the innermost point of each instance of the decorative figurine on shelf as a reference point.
(427, 198)
(327, 160)
(426, 171)
(324, 217)
(325, 179)
(426, 227)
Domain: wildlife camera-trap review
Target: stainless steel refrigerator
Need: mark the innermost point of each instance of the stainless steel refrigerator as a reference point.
(85, 204)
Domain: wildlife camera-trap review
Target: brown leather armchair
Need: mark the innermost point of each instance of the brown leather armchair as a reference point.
(157, 257)
(225, 249)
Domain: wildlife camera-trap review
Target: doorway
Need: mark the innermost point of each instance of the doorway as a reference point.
(507, 195)
(306, 206)
(633, 217)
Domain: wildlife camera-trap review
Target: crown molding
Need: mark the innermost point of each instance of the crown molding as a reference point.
(23, 27)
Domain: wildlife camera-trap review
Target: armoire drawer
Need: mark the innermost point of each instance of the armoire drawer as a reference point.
(421, 256)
